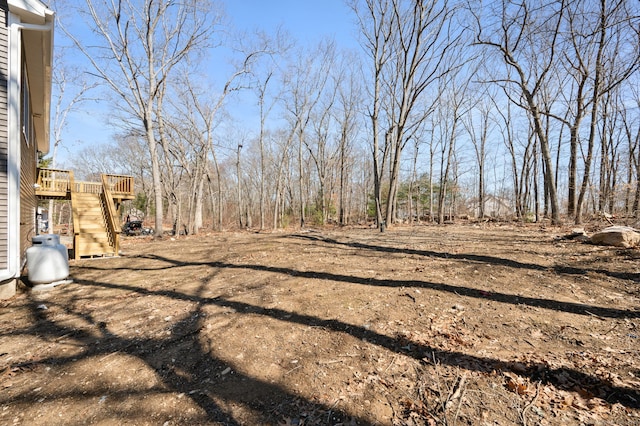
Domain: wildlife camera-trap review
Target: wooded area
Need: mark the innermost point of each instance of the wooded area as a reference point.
(512, 109)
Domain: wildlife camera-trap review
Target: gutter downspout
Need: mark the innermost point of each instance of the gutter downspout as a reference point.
(13, 140)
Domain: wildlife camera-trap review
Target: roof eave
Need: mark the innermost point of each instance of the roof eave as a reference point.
(39, 61)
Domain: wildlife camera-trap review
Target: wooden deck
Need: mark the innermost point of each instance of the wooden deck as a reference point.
(95, 205)
(58, 184)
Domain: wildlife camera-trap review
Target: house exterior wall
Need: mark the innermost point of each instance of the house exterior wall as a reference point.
(4, 145)
(28, 200)
(28, 163)
(26, 43)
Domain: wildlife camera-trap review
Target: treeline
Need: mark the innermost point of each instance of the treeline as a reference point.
(522, 110)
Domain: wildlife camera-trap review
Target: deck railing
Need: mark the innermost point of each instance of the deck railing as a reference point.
(53, 181)
(88, 187)
(58, 183)
(118, 184)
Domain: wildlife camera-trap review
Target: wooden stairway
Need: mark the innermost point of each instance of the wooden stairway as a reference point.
(95, 205)
(92, 234)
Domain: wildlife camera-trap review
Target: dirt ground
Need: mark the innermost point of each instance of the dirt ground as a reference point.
(493, 324)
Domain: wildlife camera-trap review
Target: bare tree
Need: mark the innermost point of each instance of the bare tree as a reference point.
(525, 36)
(137, 46)
(518, 163)
(282, 160)
(375, 22)
(92, 161)
(132, 155)
(615, 26)
(478, 125)
(631, 124)
(409, 44)
(349, 98)
(266, 103)
(306, 81)
(62, 77)
(65, 102)
(187, 150)
(450, 115)
(265, 108)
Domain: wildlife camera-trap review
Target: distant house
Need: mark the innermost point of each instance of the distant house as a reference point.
(495, 207)
(26, 46)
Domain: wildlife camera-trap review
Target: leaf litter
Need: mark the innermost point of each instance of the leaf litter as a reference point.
(426, 325)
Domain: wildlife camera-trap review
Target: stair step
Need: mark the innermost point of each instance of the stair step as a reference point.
(92, 224)
(96, 250)
(91, 218)
(101, 245)
(88, 202)
(83, 211)
(91, 228)
(88, 210)
(82, 207)
(91, 198)
(94, 236)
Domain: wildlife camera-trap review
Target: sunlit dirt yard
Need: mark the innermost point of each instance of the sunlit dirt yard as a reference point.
(493, 324)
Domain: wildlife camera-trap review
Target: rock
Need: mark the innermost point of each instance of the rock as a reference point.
(576, 234)
(618, 236)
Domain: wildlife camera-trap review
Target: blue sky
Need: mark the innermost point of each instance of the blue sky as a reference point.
(308, 21)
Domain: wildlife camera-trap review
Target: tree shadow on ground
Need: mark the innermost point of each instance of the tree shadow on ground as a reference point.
(492, 260)
(199, 379)
(554, 305)
(561, 378)
(179, 360)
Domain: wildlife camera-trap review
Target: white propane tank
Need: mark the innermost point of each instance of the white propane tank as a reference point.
(47, 259)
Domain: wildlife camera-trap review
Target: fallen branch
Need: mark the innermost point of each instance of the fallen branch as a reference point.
(523, 414)
(456, 391)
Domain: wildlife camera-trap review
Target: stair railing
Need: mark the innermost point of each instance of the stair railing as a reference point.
(75, 215)
(111, 216)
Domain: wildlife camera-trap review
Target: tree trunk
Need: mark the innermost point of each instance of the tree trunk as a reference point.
(595, 101)
(394, 174)
(197, 217)
(239, 189)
